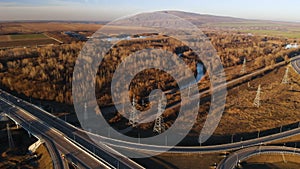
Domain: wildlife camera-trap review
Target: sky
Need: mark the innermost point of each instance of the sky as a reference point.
(107, 10)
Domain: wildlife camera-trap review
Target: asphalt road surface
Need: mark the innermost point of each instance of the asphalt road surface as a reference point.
(235, 158)
(75, 144)
(296, 65)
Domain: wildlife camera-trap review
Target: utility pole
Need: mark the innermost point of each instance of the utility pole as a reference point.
(85, 115)
(10, 139)
(143, 102)
(238, 95)
(243, 71)
(133, 115)
(189, 91)
(256, 102)
(159, 125)
(286, 79)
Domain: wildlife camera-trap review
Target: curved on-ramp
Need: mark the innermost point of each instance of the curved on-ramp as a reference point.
(235, 158)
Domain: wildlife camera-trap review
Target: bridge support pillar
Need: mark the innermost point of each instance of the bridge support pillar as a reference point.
(35, 146)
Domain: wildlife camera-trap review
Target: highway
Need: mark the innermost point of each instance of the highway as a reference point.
(57, 161)
(55, 154)
(36, 127)
(235, 158)
(82, 150)
(296, 65)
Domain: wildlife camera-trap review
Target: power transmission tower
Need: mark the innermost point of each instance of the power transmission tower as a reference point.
(286, 79)
(256, 102)
(243, 71)
(159, 125)
(133, 114)
(10, 139)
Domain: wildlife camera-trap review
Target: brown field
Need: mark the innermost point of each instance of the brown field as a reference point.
(33, 27)
(4, 38)
(183, 161)
(24, 40)
(26, 43)
(26, 34)
(279, 104)
(272, 161)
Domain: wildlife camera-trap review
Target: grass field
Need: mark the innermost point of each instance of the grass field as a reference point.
(25, 40)
(287, 30)
(280, 33)
(28, 36)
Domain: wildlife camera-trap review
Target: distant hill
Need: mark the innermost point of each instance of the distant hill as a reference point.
(199, 19)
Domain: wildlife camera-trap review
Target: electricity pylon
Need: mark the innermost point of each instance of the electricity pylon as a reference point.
(256, 102)
(243, 71)
(10, 139)
(159, 125)
(133, 115)
(286, 79)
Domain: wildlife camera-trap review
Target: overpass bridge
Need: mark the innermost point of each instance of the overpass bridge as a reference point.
(80, 150)
(57, 161)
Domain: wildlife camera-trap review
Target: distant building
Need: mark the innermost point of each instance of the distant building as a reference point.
(250, 34)
(292, 46)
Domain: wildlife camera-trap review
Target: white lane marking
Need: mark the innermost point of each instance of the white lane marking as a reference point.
(85, 151)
